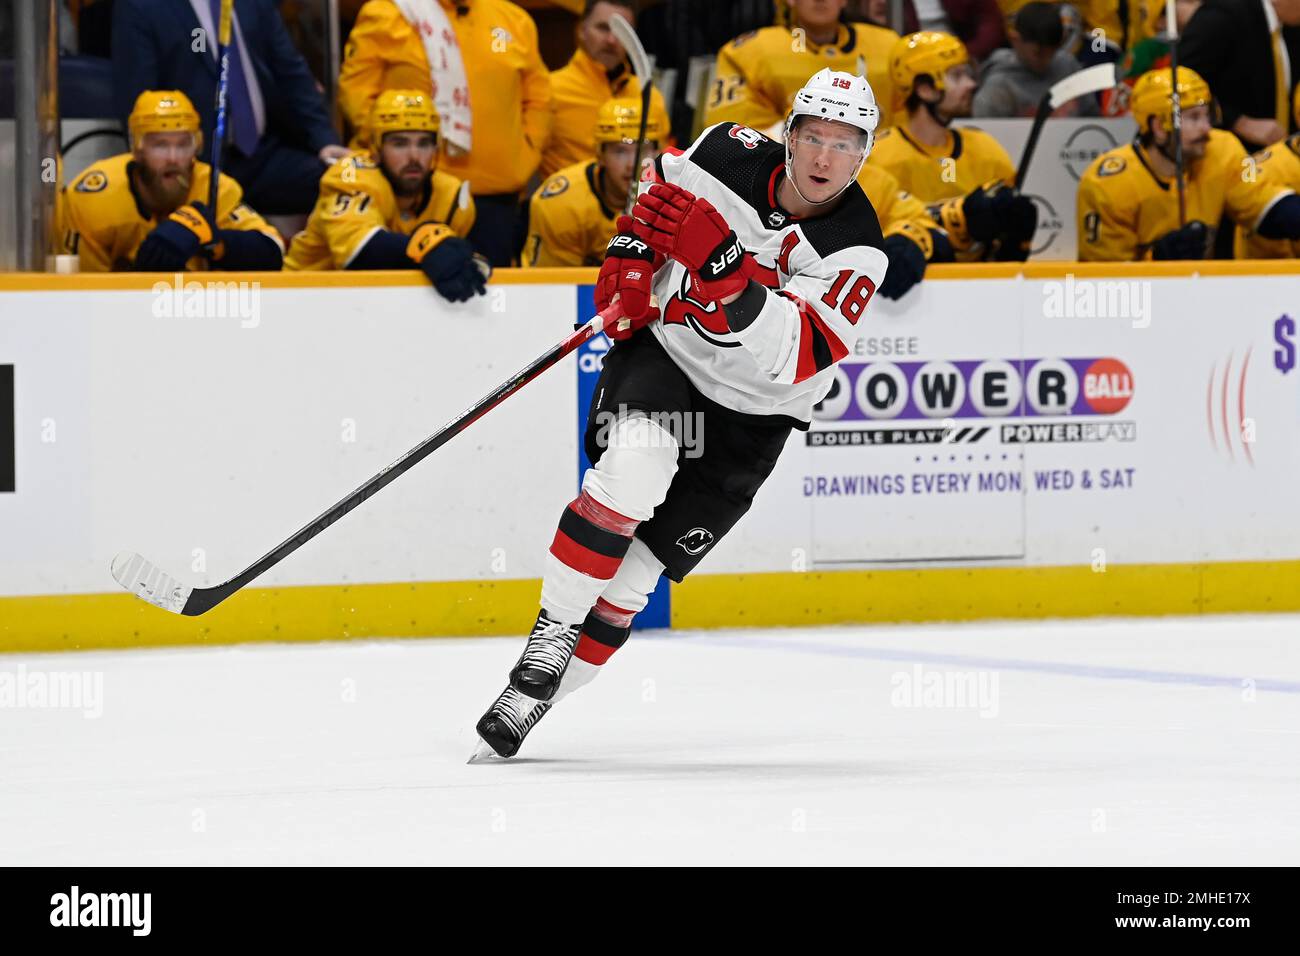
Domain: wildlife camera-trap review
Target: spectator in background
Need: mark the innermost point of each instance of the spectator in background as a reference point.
(759, 73)
(280, 137)
(1110, 27)
(147, 209)
(1013, 81)
(392, 208)
(977, 23)
(676, 32)
(597, 72)
(574, 214)
(1248, 51)
(479, 61)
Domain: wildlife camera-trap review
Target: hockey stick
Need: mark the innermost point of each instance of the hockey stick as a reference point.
(641, 67)
(1176, 110)
(1092, 80)
(223, 85)
(150, 583)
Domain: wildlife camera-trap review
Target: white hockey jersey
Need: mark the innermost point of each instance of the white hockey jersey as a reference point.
(819, 275)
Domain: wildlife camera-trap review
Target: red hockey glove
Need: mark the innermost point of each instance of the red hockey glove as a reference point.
(689, 229)
(627, 272)
(624, 327)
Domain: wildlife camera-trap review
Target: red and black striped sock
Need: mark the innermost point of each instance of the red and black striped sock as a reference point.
(605, 630)
(592, 540)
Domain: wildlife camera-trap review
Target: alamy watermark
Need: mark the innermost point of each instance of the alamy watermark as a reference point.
(208, 300)
(23, 689)
(76, 908)
(943, 689)
(633, 428)
(1098, 299)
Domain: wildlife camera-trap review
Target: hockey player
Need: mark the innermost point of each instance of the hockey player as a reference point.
(912, 237)
(964, 176)
(759, 73)
(147, 209)
(1279, 164)
(574, 213)
(1128, 201)
(391, 208)
(764, 259)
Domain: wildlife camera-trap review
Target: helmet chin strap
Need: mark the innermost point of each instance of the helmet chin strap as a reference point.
(933, 110)
(789, 175)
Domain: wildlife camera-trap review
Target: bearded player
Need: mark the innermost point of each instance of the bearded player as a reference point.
(763, 258)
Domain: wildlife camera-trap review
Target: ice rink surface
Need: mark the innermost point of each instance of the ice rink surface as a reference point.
(1170, 741)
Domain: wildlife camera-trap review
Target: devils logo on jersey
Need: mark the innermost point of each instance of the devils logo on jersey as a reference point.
(695, 540)
(708, 320)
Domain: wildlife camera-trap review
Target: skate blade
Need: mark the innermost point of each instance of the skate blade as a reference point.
(485, 754)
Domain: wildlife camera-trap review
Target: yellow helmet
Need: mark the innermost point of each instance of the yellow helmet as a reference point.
(619, 121)
(927, 53)
(1152, 95)
(163, 111)
(400, 110)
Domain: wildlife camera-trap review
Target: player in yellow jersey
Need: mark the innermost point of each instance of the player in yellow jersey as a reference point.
(147, 209)
(390, 208)
(1128, 198)
(912, 237)
(1280, 164)
(597, 72)
(574, 213)
(759, 73)
(964, 176)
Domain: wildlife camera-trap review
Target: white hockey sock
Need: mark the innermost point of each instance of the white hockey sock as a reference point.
(618, 493)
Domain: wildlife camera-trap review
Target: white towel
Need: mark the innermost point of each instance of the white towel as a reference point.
(446, 70)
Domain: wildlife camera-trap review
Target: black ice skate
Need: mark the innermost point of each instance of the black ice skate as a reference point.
(507, 722)
(542, 664)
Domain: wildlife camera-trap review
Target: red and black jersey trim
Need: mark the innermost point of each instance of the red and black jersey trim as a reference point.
(819, 347)
(749, 172)
(852, 223)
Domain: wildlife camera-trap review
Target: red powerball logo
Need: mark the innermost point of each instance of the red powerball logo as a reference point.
(1107, 386)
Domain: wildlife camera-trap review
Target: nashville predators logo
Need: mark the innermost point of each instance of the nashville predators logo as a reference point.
(695, 540)
(554, 187)
(92, 182)
(1111, 165)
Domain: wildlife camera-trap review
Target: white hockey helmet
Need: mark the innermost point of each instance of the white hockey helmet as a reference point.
(839, 96)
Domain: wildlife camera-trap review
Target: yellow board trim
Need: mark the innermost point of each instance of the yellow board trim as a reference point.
(324, 279)
(481, 608)
(77, 622)
(139, 281)
(966, 594)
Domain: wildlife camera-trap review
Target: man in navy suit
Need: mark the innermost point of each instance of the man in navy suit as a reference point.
(279, 137)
